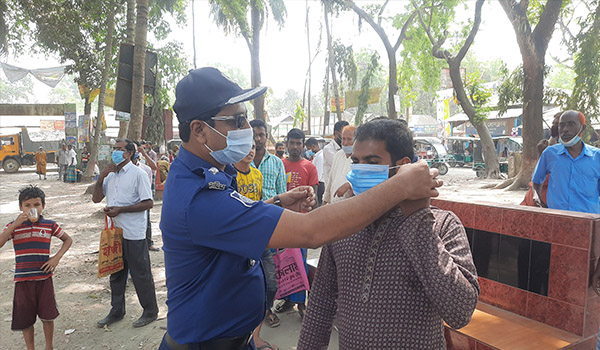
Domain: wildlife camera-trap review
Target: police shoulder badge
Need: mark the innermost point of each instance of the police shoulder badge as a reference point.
(216, 185)
(244, 200)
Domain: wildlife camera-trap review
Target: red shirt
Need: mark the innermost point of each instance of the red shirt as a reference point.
(302, 173)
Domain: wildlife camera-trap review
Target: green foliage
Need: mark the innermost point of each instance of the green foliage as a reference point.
(234, 15)
(18, 92)
(365, 85)
(561, 77)
(299, 114)
(488, 71)
(283, 106)
(478, 95)
(586, 93)
(536, 8)
(343, 57)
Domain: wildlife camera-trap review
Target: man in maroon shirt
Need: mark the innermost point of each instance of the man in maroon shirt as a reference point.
(299, 172)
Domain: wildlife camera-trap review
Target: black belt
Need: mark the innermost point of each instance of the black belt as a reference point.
(237, 343)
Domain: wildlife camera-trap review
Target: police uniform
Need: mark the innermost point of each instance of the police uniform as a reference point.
(213, 238)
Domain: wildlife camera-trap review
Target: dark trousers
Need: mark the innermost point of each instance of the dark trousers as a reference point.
(269, 270)
(149, 231)
(320, 192)
(136, 260)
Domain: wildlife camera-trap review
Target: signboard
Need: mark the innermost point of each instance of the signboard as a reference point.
(104, 152)
(446, 81)
(333, 109)
(59, 125)
(46, 125)
(122, 116)
(84, 128)
(352, 97)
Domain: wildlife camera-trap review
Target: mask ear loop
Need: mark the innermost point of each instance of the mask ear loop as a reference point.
(394, 167)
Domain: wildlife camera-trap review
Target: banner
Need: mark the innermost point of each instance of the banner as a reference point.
(352, 97)
(122, 116)
(109, 97)
(46, 125)
(333, 108)
(49, 76)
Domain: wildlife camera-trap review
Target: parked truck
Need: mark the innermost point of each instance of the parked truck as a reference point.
(18, 150)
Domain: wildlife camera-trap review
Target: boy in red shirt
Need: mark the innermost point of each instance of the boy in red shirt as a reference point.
(34, 292)
(299, 172)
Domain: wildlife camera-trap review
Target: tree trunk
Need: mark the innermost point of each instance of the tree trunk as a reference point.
(326, 114)
(129, 39)
(87, 107)
(309, 68)
(393, 84)
(331, 63)
(139, 68)
(533, 45)
(533, 93)
(492, 166)
(259, 102)
(110, 24)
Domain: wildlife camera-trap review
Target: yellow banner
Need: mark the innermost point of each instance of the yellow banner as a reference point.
(109, 97)
(352, 97)
(333, 107)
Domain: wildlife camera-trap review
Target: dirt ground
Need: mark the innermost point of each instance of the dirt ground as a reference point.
(84, 299)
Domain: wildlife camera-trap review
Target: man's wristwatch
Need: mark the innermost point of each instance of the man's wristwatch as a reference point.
(277, 201)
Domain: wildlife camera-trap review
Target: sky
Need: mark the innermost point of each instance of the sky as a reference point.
(284, 58)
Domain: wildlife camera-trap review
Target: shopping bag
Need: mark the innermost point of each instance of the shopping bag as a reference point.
(110, 257)
(290, 272)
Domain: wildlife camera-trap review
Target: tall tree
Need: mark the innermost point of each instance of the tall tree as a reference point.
(533, 43)
(331, 59)
(110, 25)
(389, 48)
(476, 117)
(247, 18)
(129, 39)
(134, 131)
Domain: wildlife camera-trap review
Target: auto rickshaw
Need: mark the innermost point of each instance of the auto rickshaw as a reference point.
(505, 146)
(460, 150)
(432, 150)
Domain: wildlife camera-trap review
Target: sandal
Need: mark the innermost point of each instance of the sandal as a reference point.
(272, 319)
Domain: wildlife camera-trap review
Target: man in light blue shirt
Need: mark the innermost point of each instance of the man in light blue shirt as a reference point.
(574, 169)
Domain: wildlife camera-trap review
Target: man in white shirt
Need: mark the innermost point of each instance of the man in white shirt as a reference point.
(337, 186)
(71, 165)
(128, 198)
(332, 147)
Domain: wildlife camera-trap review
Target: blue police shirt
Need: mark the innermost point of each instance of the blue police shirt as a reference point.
(213, 239)
(574, 183)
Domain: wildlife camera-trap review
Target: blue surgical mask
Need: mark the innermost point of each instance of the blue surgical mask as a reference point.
(310, 153)
(117, 157)
(239, 144)
(347, 149)
(363, 177)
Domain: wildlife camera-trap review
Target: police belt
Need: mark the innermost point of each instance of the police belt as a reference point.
(237, 343)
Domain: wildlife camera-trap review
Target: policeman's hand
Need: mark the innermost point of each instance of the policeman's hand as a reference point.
(112, 211)
(418, 180)
(300, 199)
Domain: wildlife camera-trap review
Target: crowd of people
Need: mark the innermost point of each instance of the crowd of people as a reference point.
(229, 205)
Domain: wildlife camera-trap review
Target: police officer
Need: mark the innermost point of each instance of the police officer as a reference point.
(213, 237)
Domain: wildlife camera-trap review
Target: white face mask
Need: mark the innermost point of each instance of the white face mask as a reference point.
(572, 142)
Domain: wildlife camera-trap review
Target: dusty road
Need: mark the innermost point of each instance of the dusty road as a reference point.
(83, 299)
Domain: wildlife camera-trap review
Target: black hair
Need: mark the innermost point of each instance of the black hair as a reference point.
(29, 192)
(295, 134)
(394, 132)
(338, 126)
(279, 144)
(311, 141)
(129, 145)
(137, 143)
(257, 123)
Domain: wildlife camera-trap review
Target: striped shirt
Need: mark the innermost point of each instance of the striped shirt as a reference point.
(31, 242)
(273, 172)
